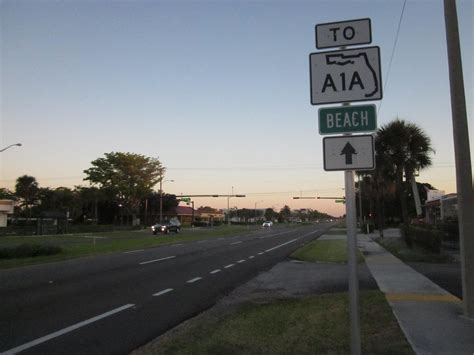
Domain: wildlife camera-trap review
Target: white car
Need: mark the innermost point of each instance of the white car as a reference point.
(267, 224)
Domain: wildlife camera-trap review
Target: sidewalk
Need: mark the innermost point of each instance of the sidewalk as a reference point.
(430, 317)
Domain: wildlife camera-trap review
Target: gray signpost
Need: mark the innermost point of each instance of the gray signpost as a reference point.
(345, 76)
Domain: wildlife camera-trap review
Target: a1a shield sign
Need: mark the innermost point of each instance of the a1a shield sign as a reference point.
(345, 76)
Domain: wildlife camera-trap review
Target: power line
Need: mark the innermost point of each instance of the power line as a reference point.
(393, 52)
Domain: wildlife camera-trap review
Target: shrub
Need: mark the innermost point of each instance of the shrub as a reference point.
(429, 239)
(28, 251)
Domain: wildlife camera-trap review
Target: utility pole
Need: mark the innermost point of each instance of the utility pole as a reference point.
(462, 157)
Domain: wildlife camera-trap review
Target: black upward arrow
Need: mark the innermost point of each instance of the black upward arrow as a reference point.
(348, 150)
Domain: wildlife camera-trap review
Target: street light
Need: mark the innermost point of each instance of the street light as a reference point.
(11, 145)
(161, 197)
(255, 210)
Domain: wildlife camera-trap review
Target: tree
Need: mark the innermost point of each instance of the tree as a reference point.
(285, 214)
(130, 176)
(26, 189)
(406, 148)
(269, 214)
(6, 194)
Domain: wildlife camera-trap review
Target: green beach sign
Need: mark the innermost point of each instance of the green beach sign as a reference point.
(347, 119)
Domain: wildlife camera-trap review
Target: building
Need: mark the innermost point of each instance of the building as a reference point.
(441, 208)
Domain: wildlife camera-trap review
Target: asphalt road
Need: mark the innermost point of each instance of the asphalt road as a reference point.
(116, 303)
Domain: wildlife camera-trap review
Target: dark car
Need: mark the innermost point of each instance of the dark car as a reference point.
(166, 227)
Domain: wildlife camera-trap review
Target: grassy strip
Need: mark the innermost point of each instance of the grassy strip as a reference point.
(79, 245)
(333, 251)
(311, 325)
(399, 248)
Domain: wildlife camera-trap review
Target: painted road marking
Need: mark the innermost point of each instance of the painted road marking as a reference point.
(163, 292)
(261, 253)
(235, 243)
(194, 280)
(155, 260)
(251, 257)
(176, 245)
(240, 261)
(65, 330)
(278, 246)
(202, 241)
(215, 271)
(133, 251)
(228, 266)
(400, 297)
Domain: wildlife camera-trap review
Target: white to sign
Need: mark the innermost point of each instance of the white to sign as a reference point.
(344, 33)
(349, 153)
(345, 76)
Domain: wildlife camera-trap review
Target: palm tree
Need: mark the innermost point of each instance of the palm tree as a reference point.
(407, 149)
(26, 188)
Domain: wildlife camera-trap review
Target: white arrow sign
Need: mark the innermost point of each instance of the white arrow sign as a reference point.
(349, 153)
(345, 76)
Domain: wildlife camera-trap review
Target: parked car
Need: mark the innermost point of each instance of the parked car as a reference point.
(267, 224)
(166, 227)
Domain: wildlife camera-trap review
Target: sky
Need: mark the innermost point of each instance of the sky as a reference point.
(217, 90)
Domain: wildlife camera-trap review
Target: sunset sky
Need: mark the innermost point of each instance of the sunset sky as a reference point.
(218, 90)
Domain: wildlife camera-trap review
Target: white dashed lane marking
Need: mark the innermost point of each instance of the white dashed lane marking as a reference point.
(215, 271)
(156, 260)
(133, 251)
(228, 266)
(163, 292)
(240, 261)
(65, 330)
(278, 246)
(194, 280)
(235, 243)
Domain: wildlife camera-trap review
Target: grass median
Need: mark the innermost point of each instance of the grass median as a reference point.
(332, 251)
(79, 245)
(311, 325)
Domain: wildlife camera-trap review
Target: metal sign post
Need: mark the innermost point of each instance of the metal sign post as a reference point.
(351, 226)
(344, 76)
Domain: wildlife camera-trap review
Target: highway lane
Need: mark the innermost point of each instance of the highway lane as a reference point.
(115, 303)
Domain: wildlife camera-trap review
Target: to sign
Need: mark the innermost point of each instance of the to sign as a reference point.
(345, 33)
(347, 119)
(349, 153)
(345, 76)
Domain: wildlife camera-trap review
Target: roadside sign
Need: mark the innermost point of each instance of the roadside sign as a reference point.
(345, 76)
(186, 199)
(341, 201)
(347, 119)
(344, 33)
(349, 153)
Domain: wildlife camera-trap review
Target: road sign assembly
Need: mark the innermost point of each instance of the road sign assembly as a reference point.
(347, 119)
(345, 76)
(349, 153)
(345, 33)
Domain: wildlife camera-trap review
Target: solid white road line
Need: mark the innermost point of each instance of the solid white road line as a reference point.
(278, 246)
(154, 261)
(215, 271)
(235, 243)
(228, 266)
(194, 280)
(65, 330)
(163, 292)
(133, 251)
(240, 261)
